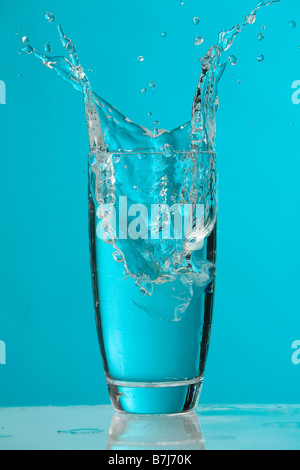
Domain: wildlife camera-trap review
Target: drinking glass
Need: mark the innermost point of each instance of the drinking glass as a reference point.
(153, 281)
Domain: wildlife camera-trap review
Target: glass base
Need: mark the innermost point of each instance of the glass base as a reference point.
(155, 398)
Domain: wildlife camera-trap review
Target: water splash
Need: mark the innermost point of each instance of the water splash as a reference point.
(160, 166)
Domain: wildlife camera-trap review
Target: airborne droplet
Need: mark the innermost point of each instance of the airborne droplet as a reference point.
(47, 48)
(260, 36)
(50, 17)
(152, 85)
(292, 24)
(261, 58)
(196, 20)
(198, 41)
(233, 60)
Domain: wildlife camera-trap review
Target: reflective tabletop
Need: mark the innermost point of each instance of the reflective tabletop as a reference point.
(222, 427)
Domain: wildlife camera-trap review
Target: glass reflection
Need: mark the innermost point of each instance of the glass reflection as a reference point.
(132, 432)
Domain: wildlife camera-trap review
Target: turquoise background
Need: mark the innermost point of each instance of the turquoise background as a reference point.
(46, 307)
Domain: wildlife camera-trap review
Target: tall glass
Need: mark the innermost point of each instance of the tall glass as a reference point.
(154, 291)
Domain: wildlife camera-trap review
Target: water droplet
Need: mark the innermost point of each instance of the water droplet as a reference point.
(50, 17)
(25, 39)
(90, 70)
(164, 34)
(155, 123)
(239, 82)
(47, 48)
(20, 75)
(292, 24)
(70, 47)
(150, 114)
(141, 58)
(152, 85)
(198, 41)
(233, 60)
(196, 20)
(260, 36)
(250, 19)
(181, 3)
(27, 49)
(144, 90)
(155, 131)
(261, 58)
(81, 431)
(118, 257)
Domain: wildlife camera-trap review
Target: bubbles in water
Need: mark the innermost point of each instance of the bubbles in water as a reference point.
(261, 58)
(233, 60)
(168, 151)
(198, 41)
(292, 24)
(163, 34)
(260, 36)
(25, 39)
(152, 85)
(141, 58)
(196, 20)
(47, 48)
(50, 17)
(250, 19)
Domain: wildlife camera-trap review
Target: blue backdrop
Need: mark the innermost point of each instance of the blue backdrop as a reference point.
(46, 307)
